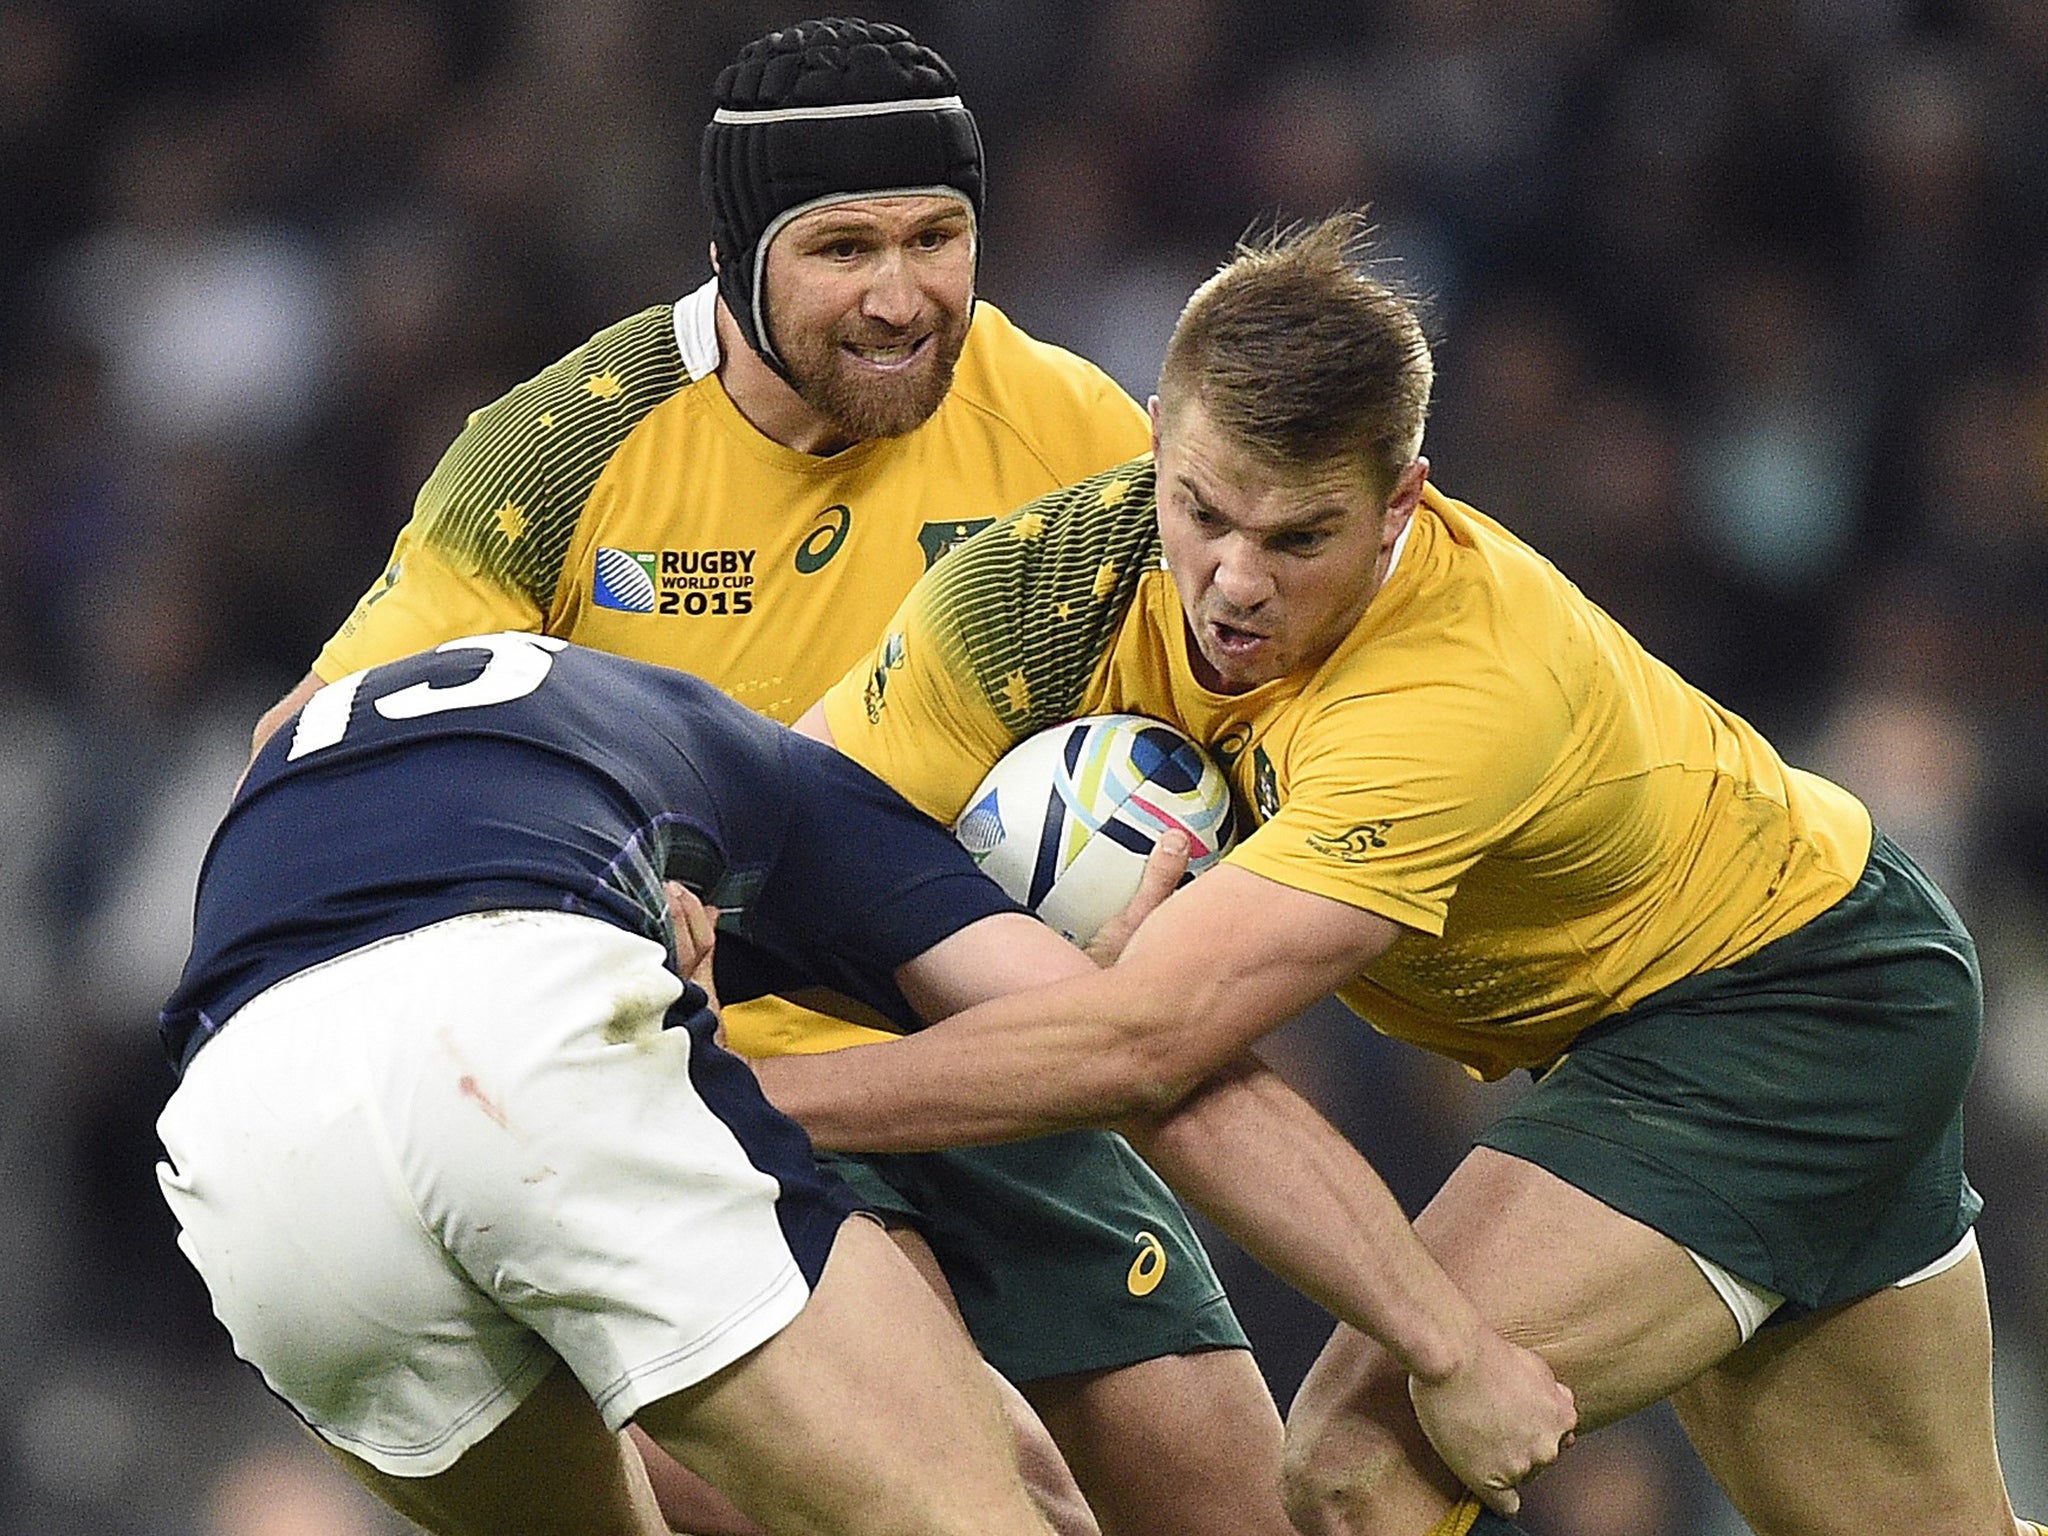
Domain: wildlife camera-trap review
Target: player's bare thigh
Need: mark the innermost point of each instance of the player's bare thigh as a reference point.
(867, 1413)
(1052, 1483)
(1178, 1445)
(870, 1412)
(551, 1469)
(1620, 1312)
(1874, 1413)
(689, 1503)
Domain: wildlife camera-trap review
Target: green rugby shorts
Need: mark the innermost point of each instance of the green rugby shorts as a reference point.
(1795, 1117)
(1065, 1254)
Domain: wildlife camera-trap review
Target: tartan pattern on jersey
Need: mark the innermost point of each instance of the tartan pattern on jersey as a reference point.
(1028, 607)
(505, 500)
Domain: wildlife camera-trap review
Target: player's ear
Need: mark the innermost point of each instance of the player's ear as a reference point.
(713, 249)
(1408, 486)
(1152, 410)
(1407, 495)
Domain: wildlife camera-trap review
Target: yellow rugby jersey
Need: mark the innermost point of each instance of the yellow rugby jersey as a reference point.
(1558, 821)
(620, 500)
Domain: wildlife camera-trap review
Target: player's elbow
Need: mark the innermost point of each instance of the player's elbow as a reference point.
(266, 727)
(1188, 1029)
(275, 716)
(1154, 1067)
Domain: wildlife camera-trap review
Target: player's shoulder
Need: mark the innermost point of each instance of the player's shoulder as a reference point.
(616, 377)
(1061, 406)
(1480, 548)
(1030, 604)
(508, 492)
(1095, 533)
(605, 697)
(1003, 366)
(1469, 613)
(1531, 608)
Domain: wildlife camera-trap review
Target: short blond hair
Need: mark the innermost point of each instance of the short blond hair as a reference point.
(1302, 355)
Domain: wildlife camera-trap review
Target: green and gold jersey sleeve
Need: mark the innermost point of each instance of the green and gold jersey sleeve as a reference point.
(494, 523)
(1000, 639)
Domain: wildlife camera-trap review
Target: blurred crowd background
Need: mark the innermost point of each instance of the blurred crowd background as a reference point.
(1742, 314)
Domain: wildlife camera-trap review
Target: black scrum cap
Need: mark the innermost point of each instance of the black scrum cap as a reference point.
(822, 112)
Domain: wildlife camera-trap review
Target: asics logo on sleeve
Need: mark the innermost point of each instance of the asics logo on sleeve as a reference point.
(383, 591)
(877, 690)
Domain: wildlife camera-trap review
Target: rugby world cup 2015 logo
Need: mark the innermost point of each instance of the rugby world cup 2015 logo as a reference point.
(624, 579)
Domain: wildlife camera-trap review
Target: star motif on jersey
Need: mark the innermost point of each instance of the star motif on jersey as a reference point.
(1026, 526)
(605, 386)
(547, 421)
(1105, 579)
(1113, 493)
(1016, 693)
(511, 521)
(1063, 610)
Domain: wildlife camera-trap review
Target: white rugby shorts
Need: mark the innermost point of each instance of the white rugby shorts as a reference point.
(415, 1175)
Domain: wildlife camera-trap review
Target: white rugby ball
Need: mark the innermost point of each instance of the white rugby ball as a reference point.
(1065, 820)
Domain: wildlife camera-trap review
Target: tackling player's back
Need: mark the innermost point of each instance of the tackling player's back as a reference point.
(518, 772)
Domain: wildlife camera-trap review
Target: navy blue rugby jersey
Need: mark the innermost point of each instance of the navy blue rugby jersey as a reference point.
(517, 771)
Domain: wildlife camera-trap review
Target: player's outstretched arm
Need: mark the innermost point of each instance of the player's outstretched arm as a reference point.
(1158, 1044)
(1218, 965)
(1262, 1163)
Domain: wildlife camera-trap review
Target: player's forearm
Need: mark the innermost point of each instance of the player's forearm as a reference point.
(1260, 1162)
(1204, 978)
(1051, 1059)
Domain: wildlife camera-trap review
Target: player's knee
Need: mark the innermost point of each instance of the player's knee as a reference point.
(1050, 1484)
(1351, 1436)
(1334, 1469)
(1324, 1496)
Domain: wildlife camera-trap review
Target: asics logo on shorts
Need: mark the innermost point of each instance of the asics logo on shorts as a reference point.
(1148, 1268)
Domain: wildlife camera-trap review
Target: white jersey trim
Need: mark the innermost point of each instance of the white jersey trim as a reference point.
(696, 319)
(1400, 543)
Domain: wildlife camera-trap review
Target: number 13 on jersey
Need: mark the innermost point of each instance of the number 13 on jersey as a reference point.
(517, 664)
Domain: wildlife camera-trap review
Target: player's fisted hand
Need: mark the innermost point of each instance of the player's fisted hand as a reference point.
(696, 928)
(1164, 867)
(1496, 1421)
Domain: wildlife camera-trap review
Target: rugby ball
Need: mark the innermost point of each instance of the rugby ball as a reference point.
(1065, 819)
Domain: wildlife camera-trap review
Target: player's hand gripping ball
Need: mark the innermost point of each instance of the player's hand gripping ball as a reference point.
(1065, 820)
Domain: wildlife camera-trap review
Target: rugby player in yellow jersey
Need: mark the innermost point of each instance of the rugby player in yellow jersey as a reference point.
(1497, 828)
(743, 485)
